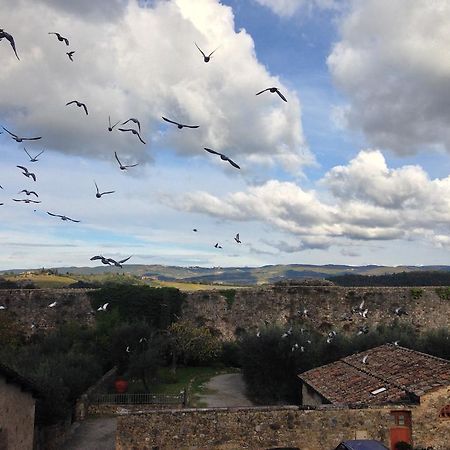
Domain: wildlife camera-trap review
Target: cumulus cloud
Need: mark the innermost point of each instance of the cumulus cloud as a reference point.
(142, 62)
(391, 62)
(366, 200)
(287, 8)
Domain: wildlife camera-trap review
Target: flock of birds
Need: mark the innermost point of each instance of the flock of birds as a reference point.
(358, 309)
(131, 125)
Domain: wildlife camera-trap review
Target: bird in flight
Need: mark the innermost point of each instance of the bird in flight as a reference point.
(222, 157)
(26, 200)
(194, 230)
(2, 307)
(20, 139)
(364, 360)
(28, 192)
(273, 90)
(7, 36)
(237, 239)
(62, 217)
(123, 167)
(70, 54)
(52, 305)
(111, 127)
(217, 245)
(103, 307)
(102, 258)
(99, 194)
(119, 263)
(27, 173)
(206, 58)
(79, 104)
(33, 159)
(134, 132)
(61, 38)
(180, 125)
(400, 311)
(136, 121)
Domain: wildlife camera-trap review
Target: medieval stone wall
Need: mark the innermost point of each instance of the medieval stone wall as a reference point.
(329, 307)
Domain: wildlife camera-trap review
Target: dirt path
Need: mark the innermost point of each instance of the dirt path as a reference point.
(95, 433)
(225, 390)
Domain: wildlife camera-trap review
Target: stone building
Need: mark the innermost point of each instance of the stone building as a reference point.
(17, 405)
(384, 376)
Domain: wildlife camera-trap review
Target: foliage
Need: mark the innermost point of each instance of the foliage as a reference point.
(416, 293)
(415, 278)
(230, 295)
(11, 333)
(443, 293)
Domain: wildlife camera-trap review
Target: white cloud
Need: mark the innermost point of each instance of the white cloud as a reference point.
(392, 63)
(143, 63)
(287, 8)
(367, 201)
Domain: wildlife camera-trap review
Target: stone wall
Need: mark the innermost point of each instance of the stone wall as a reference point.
(250, 428)
(329, 307)
(16, 417)
(30, 307)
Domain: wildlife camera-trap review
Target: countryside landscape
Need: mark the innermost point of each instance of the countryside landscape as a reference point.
(224, 225)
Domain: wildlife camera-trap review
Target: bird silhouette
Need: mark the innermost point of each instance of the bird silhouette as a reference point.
(194, 230)
(124, 167)
(206, 58)
(134, 132)
(102, 258)
(52, 305)
(33, 158)
(179, 125)
(111, 127)
(28, 192)
(119, 263)
(64, 218)
(60, 38)
(134, 120)
(20, 139)
(400, 311)
(99, 194)
(70, 54)
(27, 173)
(222, 157)
(26, 200)
(79, 104)
(7, 36)
(103, 307)
(237, 239)
(273, 90)
(217, 245)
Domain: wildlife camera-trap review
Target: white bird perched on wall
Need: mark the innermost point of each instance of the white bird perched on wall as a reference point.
(52, 305)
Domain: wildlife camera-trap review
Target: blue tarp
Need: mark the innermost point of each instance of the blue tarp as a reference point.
(364, 445)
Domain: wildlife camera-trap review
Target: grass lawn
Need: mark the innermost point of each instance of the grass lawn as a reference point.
(189, 287)
(190, 378)
(44, 280)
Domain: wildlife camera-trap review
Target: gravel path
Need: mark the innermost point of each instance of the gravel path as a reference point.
(226, 390)
(95, 433)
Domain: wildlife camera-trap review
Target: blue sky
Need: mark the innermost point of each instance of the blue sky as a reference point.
(354, 169)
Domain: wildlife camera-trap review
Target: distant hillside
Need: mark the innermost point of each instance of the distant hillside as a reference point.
(251, 275)
(418, 278)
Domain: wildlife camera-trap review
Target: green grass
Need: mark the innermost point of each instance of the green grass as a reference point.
(189, 287)
(43, 280)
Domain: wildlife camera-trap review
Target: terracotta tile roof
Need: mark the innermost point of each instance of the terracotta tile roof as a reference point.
(405, 374)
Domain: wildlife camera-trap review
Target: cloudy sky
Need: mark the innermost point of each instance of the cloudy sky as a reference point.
(353, 169)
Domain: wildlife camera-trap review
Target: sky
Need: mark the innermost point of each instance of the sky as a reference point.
(352, 169)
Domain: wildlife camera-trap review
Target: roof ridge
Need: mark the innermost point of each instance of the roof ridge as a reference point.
(417, 351)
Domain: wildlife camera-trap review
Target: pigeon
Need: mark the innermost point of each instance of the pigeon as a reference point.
(134, 132)
(28, 192)
(7, 36)
(302, 349)
(79, 104)
(33, 158)
(20, 139)
(273, 90)
(2, 307)
(364, 360)
(180, 125)
(102, 258)
(99, 194)
(258, 334)
(217, 245)
(363, 330)
(206, 58)
(136, 121)
(121, 166)
(237, 239)
(364, 313)
(294, 347)
(103, 308)
(111, 127)
(26, 200)
(127, 349)
(70, 54)
(64, 218)
(142, 339)
(222, 157)
(329, 340)
(119, 263)
(289, 332)
(27, 173)
(396, 343)
(61, 38)
(194, 230)
(400, 311)
(52, 305)
(284, 335)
